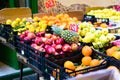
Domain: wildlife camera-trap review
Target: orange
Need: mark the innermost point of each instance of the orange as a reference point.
(69, 65)
(114, 48)
(75, 19)
(45, 17)
(110, 51)
(66, 16)
(94, 62)
(87, 51)
(86, 60)
(116, 55)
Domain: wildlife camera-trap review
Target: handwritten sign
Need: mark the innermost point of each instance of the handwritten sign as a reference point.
(49, 3)
(73, 27)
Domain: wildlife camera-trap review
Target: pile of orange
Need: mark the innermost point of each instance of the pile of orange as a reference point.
(87, 59)
(114, 51)
(59, 19)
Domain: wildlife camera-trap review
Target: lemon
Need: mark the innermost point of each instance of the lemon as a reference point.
(35, 19)
(37, 30)
(14, 24)
(18, 19)
(8, 22)
(19, 33)
(24, 19)
(35, 23)
(27, 23)
(31, 28)
(44, 26)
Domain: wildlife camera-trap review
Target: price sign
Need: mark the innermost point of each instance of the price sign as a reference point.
(49, 3)
(74, 27)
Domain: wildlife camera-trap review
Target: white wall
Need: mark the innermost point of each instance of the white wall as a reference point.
(91, 3)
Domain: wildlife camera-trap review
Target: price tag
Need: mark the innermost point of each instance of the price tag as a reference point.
(49, 3)
(22, 52)
(73, 27)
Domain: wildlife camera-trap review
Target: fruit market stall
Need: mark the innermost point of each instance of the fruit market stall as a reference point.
(62, 46)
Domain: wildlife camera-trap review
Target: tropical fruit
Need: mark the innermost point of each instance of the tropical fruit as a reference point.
(68, 35)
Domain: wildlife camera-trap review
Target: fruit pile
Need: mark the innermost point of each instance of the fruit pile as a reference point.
(58, 20)
(85, 62)
(50, 43)
(33, 25)
(106, 13)
(37, 24)
(114, 51)
(98, 38)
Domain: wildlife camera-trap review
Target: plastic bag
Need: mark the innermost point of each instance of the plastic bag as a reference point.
(105, 74)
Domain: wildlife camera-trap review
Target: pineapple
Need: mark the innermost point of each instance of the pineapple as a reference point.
(68, 35)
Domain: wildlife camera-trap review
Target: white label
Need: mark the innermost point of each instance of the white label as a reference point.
(22, 52)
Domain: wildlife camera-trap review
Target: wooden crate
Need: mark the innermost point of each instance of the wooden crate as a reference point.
(13, 13)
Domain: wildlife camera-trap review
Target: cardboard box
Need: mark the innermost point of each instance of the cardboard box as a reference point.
(13, 13)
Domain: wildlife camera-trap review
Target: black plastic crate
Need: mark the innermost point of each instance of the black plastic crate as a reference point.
(33, 56)
(115, 62)
(20, 46)
(6, 32)
(57, 68)
(90, 18)
(93, 19)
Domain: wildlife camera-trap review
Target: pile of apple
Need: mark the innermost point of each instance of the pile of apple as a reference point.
(49, 43)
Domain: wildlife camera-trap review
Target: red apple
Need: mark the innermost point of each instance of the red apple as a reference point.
(66, 48)
(60, 41)
(44, 39)
(74, 46)
(53, 45)
(22, 36)
(58, 47)
(48, 41)
(48, 35)
(54, 37)
(27, 38)
(26, 32)
(31, 35)
(33, 45)
(46, 46)
(41, 49)
(50, 50)
(55, 53)
(38, 40)
(40, 34)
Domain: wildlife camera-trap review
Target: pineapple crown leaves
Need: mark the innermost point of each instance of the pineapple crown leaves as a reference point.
(56, 30)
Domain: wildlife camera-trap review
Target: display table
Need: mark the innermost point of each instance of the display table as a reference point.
(23, 61)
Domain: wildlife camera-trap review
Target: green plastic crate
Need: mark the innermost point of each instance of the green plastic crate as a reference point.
(9, 56)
